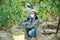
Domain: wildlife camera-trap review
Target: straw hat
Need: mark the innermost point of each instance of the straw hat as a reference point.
(28, 4)
(33, 10)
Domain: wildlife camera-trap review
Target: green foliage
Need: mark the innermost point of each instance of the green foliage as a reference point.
(50, 6)
(12, 11)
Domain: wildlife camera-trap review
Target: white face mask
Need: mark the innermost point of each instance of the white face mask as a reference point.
(32, 15)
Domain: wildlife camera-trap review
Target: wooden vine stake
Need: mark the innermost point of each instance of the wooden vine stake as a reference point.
(58, 26)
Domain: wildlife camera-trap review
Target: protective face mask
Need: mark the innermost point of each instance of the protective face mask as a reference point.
(32, 15)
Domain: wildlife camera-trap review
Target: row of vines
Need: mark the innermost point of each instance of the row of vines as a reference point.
(12, 11)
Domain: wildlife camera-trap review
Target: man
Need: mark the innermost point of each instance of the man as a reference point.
(33, 18)
(28, 9)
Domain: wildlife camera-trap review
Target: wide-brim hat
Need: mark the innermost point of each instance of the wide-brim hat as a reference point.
(33, 10)
(28, 4)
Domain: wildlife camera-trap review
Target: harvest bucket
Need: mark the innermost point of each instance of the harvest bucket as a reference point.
(19, 36)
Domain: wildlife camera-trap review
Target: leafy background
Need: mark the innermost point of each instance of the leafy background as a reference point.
(12, 11)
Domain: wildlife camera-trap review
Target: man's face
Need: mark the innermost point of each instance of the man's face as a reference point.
(32, 14)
